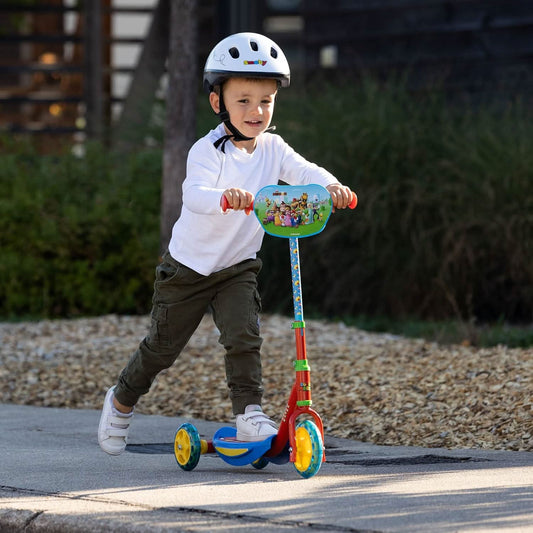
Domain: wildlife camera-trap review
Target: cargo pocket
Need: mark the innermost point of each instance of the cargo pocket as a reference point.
(165, 271)
(159, 330)
(255, 311)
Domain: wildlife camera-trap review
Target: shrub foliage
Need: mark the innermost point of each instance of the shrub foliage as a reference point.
(79, 236)
(444, 225)
(443, 228)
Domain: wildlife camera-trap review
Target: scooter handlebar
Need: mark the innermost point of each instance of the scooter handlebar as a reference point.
(249, 209)
(353, 203)
(225, 206)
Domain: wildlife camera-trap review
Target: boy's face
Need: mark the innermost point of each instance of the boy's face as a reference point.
(250, 103)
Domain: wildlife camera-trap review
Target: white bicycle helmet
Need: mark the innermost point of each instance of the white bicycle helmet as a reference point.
(243, 55)
(249, 55)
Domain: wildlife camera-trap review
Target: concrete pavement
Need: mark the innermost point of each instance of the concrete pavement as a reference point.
(55, 478)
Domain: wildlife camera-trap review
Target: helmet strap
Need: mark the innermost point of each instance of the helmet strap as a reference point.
(236, 135)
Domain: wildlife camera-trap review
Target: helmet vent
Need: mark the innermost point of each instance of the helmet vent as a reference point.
(234, 52)
(253, 46)
(274, 53)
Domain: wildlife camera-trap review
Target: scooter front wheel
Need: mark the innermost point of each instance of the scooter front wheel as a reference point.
(187, 446)
(309, 449)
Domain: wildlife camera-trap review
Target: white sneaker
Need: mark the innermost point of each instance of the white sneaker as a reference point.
(114, 427)
(254, 425)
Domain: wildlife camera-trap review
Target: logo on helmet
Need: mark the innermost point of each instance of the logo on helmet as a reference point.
(257, 62)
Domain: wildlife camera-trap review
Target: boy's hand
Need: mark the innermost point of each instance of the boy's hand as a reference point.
(238, 199)
(341, 196)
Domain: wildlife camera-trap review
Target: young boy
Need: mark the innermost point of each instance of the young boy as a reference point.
(211, 259)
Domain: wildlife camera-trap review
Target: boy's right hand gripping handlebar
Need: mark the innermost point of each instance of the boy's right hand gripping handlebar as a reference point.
(225, 204)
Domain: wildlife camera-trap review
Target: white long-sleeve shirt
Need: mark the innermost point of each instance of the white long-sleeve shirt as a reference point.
(207, 240)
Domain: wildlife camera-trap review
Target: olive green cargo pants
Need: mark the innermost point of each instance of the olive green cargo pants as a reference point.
(181, 298)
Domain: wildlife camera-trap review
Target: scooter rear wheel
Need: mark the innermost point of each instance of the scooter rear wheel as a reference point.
(260, 463)
(187, 446)
(309, 449)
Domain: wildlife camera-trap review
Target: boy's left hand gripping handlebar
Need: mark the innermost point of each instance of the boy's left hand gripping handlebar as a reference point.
(249, 209)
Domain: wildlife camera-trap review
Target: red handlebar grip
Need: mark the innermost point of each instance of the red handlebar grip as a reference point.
(353, 203)
(225, 206)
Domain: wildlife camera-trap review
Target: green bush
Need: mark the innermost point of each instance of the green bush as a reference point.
(444, 224)
(443, 228)
(79, 235)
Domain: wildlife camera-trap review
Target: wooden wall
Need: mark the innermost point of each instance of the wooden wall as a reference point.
(467, 44)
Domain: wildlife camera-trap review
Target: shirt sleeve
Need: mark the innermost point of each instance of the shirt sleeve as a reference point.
(200, 191)
(296, 170)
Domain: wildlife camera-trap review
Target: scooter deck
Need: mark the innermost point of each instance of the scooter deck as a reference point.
(236, 452)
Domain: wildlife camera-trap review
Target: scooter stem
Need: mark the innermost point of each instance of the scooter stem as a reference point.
(302, 385)
(303, 375)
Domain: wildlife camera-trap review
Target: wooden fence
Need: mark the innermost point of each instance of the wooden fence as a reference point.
(474, 45)
(54, 81)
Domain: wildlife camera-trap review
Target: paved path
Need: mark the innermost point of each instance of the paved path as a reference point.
(55, 478)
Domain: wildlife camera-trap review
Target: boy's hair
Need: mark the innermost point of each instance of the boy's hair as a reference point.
(217, 88)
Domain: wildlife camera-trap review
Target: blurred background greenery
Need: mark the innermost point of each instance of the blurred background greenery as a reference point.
(439, 246)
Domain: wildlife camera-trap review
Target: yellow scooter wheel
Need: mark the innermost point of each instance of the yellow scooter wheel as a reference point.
(309, 449)
(187, 446)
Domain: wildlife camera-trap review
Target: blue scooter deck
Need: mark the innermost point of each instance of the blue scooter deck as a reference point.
(239, 453)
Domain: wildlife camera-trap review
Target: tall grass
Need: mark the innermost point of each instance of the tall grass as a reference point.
(444, 225)
(443, 229)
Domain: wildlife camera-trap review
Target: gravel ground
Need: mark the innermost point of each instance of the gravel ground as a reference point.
(372, 387)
